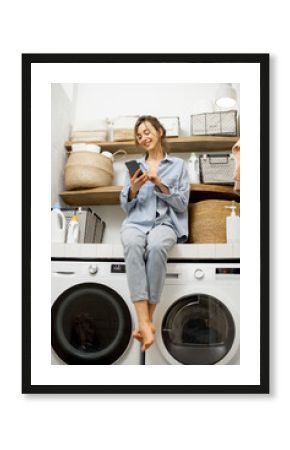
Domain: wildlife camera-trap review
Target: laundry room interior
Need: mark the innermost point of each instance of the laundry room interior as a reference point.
(81, 108)
(92, 138)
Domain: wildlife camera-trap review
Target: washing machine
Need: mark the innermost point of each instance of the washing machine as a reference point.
(198, 317)
(92, 317)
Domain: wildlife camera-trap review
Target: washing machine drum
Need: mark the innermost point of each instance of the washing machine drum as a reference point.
(90, 324)
(198, 329)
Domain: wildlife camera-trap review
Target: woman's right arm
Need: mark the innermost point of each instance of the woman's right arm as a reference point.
(129, 193)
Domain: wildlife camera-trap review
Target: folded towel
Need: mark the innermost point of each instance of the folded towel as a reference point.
(88, 136)
(91, 139)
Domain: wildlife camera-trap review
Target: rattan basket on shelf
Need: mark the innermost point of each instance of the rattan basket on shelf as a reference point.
(207, 221)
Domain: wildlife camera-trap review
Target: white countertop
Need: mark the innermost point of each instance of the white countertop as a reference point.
(182, 251)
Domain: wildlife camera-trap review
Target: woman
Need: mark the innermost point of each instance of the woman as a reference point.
(155, 199)
(236, 152)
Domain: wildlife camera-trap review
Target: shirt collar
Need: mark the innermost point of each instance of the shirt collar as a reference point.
(166, 158)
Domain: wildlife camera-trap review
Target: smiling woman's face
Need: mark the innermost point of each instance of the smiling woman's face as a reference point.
(148, 136)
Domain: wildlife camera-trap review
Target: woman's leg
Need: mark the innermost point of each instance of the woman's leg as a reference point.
(134, 242)
(159, 241)
(151, 308)
(144, 332)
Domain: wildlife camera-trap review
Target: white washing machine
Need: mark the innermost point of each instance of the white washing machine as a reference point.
(92, 317)
(198, 317)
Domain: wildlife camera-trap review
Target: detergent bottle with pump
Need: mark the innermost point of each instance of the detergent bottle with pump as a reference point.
(58, 224)
(233, 226)
(73, 230)
(193, 169)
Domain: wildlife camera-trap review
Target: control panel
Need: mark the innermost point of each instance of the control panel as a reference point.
(118, 268)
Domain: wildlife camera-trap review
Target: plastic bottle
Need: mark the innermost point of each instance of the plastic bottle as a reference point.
(58, 224)
(193, 169)
(233, 226)
(73, 230)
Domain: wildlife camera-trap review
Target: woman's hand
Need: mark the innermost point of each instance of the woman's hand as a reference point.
(137, 182)
(154, 178)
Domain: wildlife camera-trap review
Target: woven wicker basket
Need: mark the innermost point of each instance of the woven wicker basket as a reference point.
(207, 221)
(86, 170)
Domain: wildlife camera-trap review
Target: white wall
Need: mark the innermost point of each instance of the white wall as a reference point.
(62, 116)
(111, 100)
(69, 90)
(82, 104)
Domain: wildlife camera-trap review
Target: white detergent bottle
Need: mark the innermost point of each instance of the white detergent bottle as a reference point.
(58, 224)
(233, 226)
(193, 169)
(73, 230)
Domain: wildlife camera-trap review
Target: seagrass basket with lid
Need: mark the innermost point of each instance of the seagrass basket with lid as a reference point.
(207, 221)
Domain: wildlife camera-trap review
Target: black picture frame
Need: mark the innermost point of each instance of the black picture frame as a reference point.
(263, 61)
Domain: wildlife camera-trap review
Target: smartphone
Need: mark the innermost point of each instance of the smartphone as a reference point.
(133, 166)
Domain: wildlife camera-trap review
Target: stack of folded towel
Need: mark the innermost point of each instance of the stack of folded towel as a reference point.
(94, 130)
(89, 136)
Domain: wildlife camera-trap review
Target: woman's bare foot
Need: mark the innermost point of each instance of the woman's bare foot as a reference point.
(137, 334)
(145, 334)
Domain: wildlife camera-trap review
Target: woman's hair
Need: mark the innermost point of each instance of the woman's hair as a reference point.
(157, 125)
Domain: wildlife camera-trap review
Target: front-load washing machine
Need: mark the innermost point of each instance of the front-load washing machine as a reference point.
(92, 317)
(198, 317)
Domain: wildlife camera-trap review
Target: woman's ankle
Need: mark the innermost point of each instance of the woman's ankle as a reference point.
(144, 323)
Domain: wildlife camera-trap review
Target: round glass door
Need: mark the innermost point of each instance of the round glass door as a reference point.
(90, 324)
(198, 329)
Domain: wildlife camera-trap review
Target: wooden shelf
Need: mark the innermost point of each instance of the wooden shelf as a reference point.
(176, 145)
(110, 195)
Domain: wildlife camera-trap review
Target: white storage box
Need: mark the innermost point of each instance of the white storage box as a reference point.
(123, 128)
(222, 123)
(171, 125)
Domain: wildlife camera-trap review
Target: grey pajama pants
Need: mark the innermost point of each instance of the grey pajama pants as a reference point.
(146, 259)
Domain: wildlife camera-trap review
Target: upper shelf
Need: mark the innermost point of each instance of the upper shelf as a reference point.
(175, 144)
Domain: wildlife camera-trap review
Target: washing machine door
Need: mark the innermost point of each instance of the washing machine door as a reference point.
(198, 329)
(90, 324)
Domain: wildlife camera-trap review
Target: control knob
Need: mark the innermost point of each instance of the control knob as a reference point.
(93, 269)
(198, 274)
